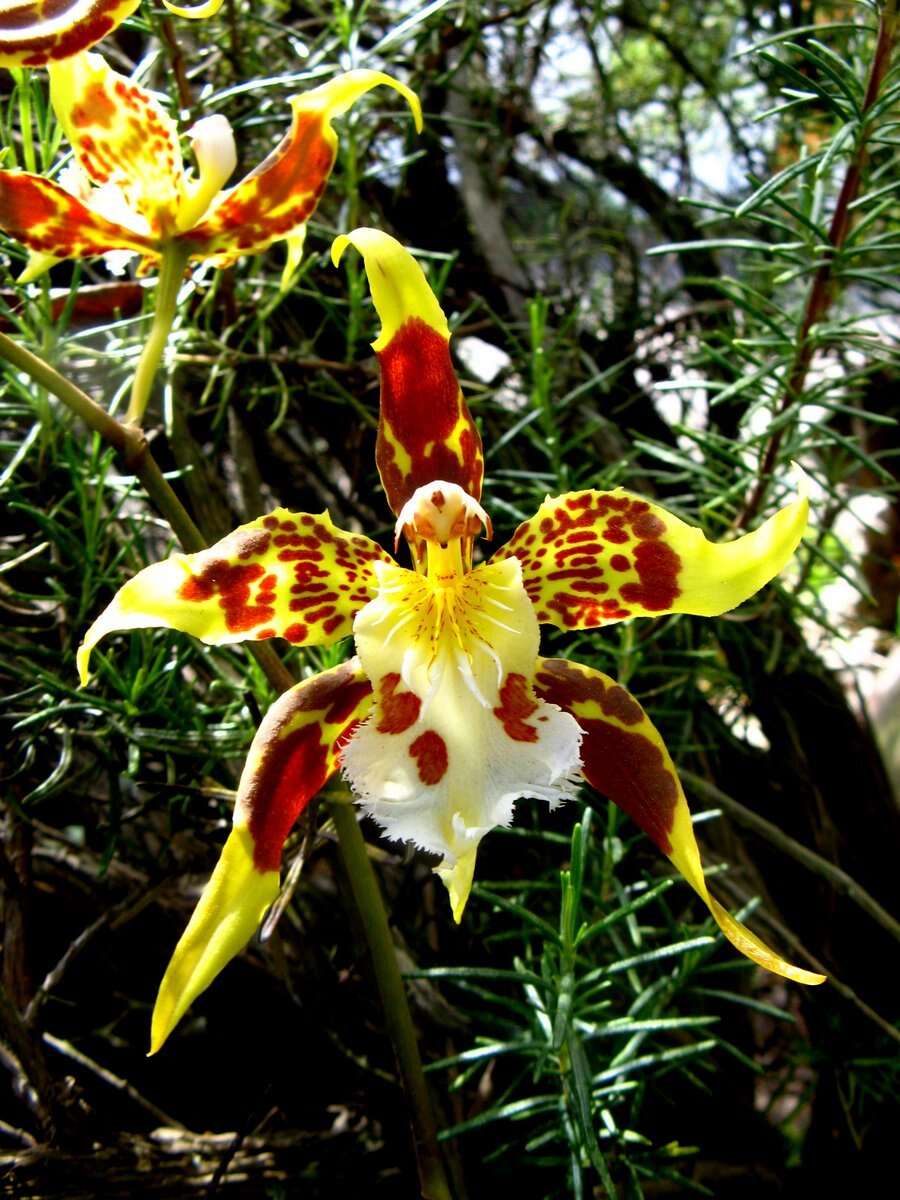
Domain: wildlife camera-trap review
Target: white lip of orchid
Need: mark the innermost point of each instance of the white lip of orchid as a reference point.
(441, 512)
(212, 141)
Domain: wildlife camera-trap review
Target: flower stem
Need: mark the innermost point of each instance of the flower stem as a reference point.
(370, 905)
(171, 276)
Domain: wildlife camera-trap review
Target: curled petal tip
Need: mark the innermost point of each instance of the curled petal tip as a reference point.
(338, 246)
(82, 659)
(196, 12)
(458, 882)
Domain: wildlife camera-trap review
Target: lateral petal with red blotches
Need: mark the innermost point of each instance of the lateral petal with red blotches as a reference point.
(50, 221)
(121, 136)
(591, 558)
(624, 758)
(296, 749)
(290, 575)
(277, 197)
(425, 429)
(35, 32)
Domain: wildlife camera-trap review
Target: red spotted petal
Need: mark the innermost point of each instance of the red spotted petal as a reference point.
(624, 758)
(121, 136)
(290, 575)
(49, 220)
(296, 749)
(590, 558)
(277, 197)
(35, 32)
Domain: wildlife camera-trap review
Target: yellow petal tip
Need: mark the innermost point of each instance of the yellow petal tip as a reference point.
(82, 660)
(233, 904)
(197, 12)
(458, 882)
(338, 246)
(744, 940)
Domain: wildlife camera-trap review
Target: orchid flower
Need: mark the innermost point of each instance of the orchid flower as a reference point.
(129, 190)
(447, 714)
(33, 34)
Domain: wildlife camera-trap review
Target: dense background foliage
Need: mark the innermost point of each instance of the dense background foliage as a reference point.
(565, 147)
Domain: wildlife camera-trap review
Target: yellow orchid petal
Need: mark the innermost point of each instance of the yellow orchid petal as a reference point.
(53, 224)
(196, 12)
(624, 758)
(296, 749)
(590, 558)
(121, 136)
(295, 243)
(456, 735)
(277, 198)
(290, 575)
(232, 905)
(425, 429)
(35, 32)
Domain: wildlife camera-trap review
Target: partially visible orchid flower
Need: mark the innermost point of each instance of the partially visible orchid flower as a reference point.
(447, 715)
(33, 34)
(129, 192)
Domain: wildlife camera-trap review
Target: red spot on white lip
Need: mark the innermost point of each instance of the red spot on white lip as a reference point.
(516, 704)
(398, 711)
(430, 752)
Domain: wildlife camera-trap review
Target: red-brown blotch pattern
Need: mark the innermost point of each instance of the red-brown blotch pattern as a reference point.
(294, 576)
(590, 558)
(622, 757)
(296, 751)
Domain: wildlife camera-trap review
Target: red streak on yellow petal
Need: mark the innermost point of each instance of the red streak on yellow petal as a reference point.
(294, 766)
(423, 407)
(628, 768)
(623, 764)
(232, 584)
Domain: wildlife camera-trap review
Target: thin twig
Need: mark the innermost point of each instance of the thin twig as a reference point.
(839, 879)
(114, 1081)
(728, 884)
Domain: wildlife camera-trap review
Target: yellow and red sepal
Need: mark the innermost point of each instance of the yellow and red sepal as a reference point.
(425, 429)
(275, 200)
(625, 759)
(591, 558)
(296, 749)
(291, 575)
